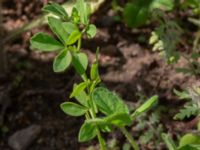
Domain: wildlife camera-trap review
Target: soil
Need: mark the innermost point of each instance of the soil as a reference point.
(30, 92)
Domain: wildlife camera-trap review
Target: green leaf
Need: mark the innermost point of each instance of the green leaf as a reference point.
(69, 27)
(169, 142)
(78, 89)
(80, 62)
(108, 102)
(119, 119)
(82, 8)
(56, 26)
(186, 112)
(75, 16)
(182, 95)
(82, 98)
(189, 139)
(146, 106)
(87, 132)
(135, 15)
(94, 73)
(62, 61)
(166, 5)
(45, 43)
(190, 147)
(91, 31)
(74, 36)
(73, 109)
(56, 9)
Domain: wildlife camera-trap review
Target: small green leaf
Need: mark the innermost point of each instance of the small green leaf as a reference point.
(119, 119)
(78, 89)
(146, 106)
(108, 102)
(162, 4)
(75, 16)
(62, 61)
(135, 14)
(94, 73)
(182, 95)
(73, 109)
(74, 36)
(56, 26)
(82, 98)
(69, 27)
(87, 132)
(189, 139)
(82, 8)
(91, 31)
(45, 43)
(56, 9)
(190, 147)
(169, 142)
(80, 62)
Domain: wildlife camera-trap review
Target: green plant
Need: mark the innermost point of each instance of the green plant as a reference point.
(186, 142)
(138, 12)
(192, 106)
(103, 109)
(165, 39)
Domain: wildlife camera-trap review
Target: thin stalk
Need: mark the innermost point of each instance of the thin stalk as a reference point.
(93, 116)
(129, 138)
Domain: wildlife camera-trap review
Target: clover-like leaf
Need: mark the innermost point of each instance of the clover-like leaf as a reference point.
(56, 26)
(74, 36)
(87, 132)
(82, 98)
(80, 62)
(62, 61)
(78, 89)
(56, 9)
(69, 27)
(189, 139)
(45, 42)
(108, 102)
(91, 31)
(73, 109)
(119, 119)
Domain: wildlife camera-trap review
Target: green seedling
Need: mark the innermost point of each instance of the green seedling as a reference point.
(103, 110)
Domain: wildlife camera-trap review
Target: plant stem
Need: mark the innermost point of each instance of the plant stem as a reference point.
(101, 140)
(129, 138)
(93, 115)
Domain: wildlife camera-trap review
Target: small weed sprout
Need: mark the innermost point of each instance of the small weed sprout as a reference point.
(91, 99)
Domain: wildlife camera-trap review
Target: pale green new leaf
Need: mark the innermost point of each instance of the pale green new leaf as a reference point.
(74, 36)
(91, 31)
(82, 8)
(78, 89)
